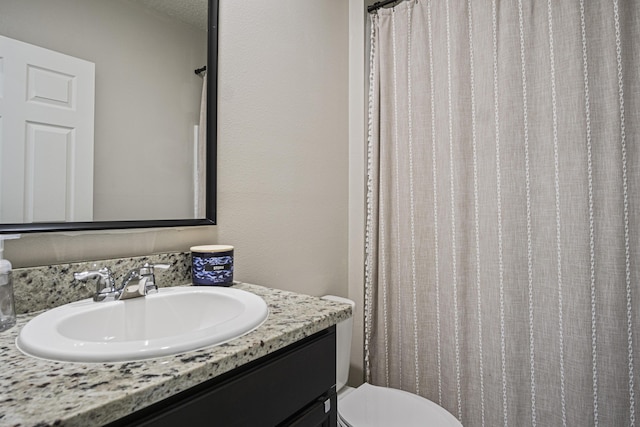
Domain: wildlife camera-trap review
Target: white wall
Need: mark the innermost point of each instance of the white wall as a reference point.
(283, 142)
(284, 157)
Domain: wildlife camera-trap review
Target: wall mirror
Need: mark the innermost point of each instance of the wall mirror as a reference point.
(125, 135)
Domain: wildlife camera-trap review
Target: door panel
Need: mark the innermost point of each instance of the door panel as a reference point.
(48, 181)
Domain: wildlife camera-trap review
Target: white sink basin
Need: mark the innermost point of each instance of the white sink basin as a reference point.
(172, 321)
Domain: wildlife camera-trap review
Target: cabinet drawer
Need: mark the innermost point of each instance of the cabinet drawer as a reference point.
(263, 393)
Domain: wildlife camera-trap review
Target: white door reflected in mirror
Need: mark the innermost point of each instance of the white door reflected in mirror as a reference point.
(47, 104)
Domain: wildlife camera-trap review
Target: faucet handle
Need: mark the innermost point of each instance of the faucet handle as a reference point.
(147, 268)
(103, 276)
(105, 283)
(147, 271)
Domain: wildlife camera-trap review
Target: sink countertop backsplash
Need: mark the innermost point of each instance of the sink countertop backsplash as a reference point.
(36, 392)
(41, 288)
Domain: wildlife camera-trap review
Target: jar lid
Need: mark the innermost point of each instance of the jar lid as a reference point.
(211, 248)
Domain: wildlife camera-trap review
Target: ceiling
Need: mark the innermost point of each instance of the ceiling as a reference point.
(193, 12)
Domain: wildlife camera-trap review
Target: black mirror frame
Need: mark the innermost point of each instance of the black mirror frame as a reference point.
(211, 161)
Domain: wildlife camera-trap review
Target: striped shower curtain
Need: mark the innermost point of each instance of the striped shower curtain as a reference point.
(503, 209)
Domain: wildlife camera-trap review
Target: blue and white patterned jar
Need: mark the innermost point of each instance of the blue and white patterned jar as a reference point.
(212, 265)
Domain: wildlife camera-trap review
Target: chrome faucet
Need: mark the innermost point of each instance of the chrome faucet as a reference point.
(136, 283)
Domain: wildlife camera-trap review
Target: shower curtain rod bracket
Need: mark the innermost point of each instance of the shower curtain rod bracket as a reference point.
(379, 4)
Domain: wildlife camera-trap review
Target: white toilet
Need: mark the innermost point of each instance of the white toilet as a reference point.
(374, 406)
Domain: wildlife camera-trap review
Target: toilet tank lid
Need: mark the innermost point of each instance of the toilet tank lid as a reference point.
(339, 299)
(375, 406)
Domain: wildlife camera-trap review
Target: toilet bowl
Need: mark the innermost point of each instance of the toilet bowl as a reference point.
(373, 406)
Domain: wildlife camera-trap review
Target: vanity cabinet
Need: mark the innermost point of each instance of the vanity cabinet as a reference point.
(294, 386)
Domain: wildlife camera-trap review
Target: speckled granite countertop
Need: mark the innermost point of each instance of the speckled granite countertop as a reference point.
(40, 393)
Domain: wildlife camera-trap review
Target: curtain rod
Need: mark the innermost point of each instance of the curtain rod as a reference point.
(379, 4)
